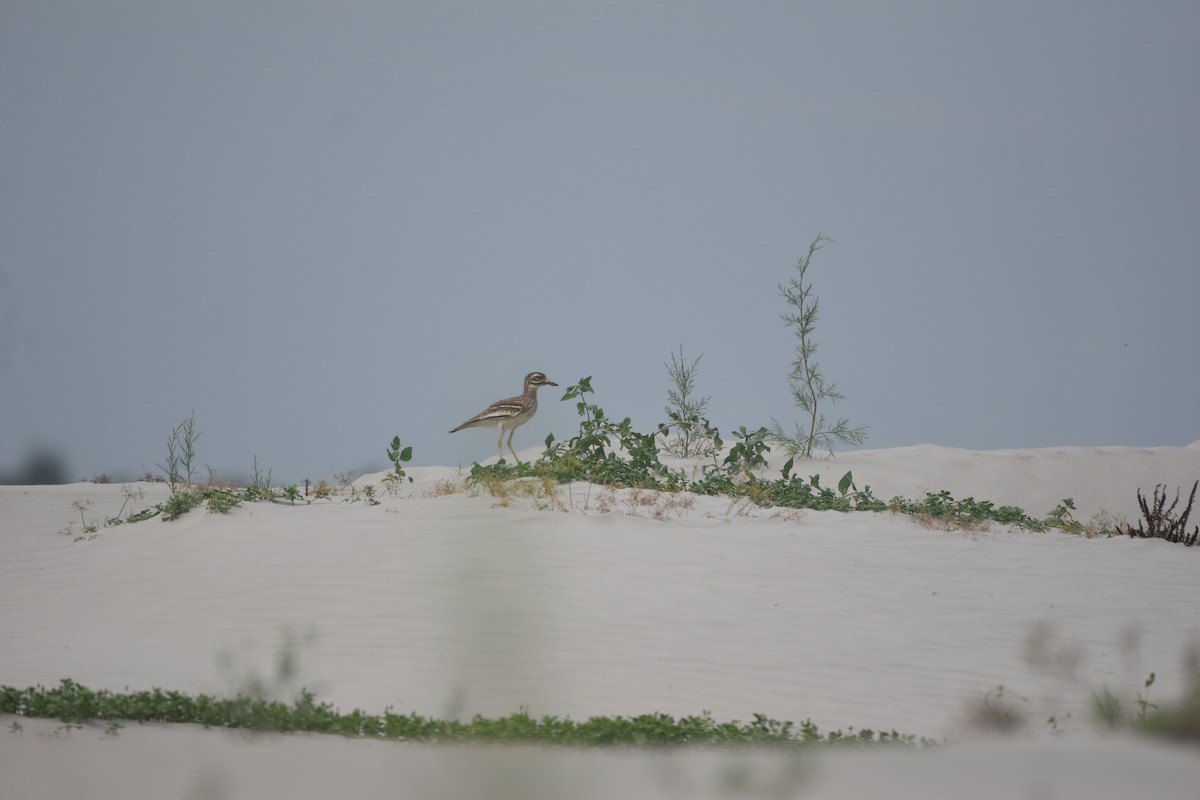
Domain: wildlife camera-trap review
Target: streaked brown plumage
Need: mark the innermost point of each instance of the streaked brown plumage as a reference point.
(510, 413)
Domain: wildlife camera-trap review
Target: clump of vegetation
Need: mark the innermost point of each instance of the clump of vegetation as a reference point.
(810, 392)
(1160, 521)
(73, 704)
(260, 484)
(940, 509)
(612, 454)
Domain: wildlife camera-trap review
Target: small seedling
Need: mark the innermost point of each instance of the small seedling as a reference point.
(1061, 517)
(397, 455)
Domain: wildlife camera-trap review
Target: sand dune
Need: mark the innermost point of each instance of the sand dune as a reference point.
(447, 605)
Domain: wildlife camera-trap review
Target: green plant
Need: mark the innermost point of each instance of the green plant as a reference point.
(397, 476)
(747, 453)
(129, 493)
(1061, 517)
(291, 493)
(139, 516)
(217, 499)
(807, 381)
(694, 435)
(179, 503)
(221, 501)
(73, 704)
(792, 491)
(592, 456)
(181, 453)
(260, 484)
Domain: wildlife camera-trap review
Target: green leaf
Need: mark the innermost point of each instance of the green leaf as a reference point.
(845, 483)
(406, 454)
(787, 468)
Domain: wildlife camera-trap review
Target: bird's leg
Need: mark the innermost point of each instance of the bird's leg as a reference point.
(499, 450)
(510, 447)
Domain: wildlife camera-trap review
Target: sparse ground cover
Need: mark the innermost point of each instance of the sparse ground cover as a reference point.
(73, 704)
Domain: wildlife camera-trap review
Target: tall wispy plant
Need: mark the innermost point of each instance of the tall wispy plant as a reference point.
(685, 410)
(809, 389)
(181, 453)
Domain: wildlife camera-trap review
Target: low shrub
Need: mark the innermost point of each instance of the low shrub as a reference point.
(1159, 520)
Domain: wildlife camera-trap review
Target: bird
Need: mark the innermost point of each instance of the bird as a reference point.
(510, 413)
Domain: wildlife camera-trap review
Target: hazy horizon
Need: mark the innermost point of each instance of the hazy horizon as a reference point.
(319, 226)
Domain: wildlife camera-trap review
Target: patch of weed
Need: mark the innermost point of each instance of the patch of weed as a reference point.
(73, 704)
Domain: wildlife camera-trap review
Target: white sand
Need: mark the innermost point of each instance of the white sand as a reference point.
(448, 605)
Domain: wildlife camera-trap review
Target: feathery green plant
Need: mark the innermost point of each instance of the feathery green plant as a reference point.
(181, 453)
(685, 410)
(810, 392)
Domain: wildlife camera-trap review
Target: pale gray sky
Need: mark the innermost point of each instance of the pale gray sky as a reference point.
(322, 224)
